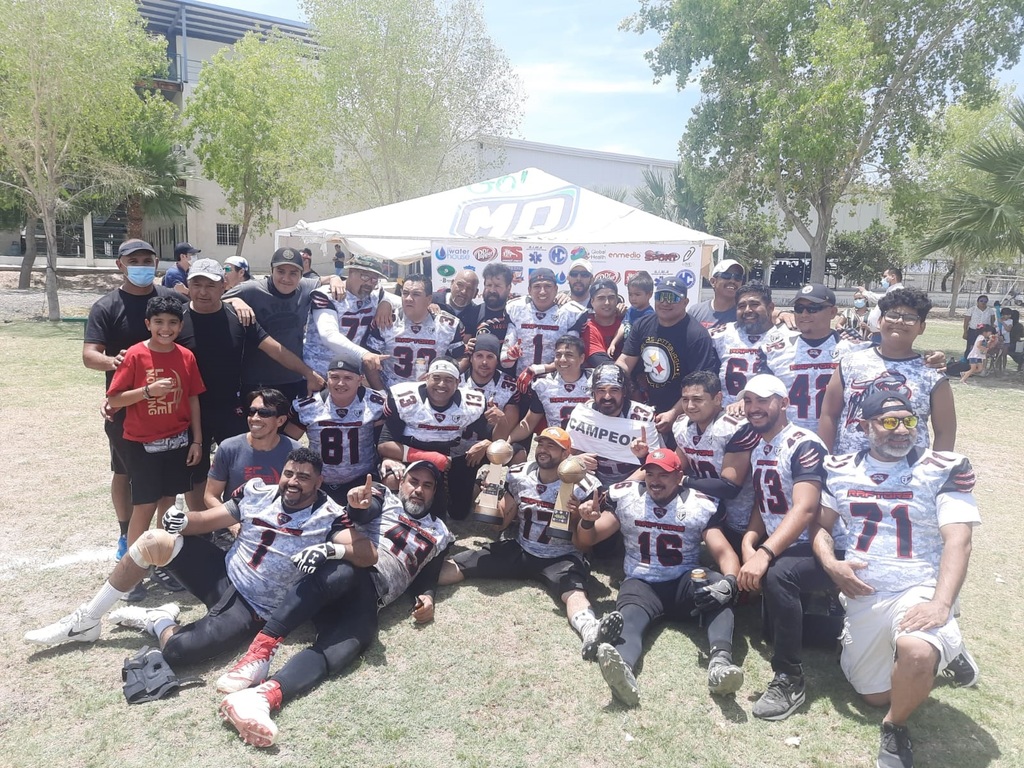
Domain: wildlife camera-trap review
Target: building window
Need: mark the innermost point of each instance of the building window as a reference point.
(227, 234)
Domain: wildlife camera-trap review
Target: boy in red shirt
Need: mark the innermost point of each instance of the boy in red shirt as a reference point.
(159, 384)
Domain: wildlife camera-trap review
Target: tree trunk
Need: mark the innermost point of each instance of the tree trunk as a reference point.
(134, 217)
(949, 274)
(818, 263)
(243, 230)
(50, 228)
(958, 278)
(29, 259)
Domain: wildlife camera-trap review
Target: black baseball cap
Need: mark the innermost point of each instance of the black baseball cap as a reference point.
(879, 401)
(286, 256)
(131, 246)
(338, 364)
(603, 284)
(543, 273)
(816, 293)
(423, 464)
(488, 342)
(184, 249)
(672, 285)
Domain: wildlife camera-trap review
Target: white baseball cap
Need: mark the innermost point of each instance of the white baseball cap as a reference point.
(725, 265)
(764, 385)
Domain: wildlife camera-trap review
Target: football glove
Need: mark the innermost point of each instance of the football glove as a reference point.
(175, 520)
(717, 595)
(311, 558)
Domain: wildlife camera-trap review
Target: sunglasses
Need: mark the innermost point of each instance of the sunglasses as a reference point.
(667, 297)
(579, 274)
(731, 276)
(896, 317)
(812, 309)
(890, 423)
(228, 268)
(265, 413)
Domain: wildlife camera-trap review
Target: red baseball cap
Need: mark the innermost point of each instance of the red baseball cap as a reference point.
(664, 458)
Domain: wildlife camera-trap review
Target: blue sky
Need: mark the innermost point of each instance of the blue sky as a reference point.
(587, 83)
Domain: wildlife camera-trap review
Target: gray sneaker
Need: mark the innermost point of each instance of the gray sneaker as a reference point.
(607, 630)
(963, 670)
(724, 677)
(895, 750)
(783, 697)
(618, 675)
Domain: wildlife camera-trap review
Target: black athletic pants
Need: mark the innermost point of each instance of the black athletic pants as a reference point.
(341, 601)
(643, 603)
(794, 571)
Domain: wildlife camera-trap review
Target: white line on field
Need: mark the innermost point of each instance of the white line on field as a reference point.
(22, 564)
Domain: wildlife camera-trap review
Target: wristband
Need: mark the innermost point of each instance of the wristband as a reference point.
(770, 553)
(145, 392)
(586, 524)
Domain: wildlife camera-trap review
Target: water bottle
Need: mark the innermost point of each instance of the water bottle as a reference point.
(699, 577)
(179, 502)
(419, 368)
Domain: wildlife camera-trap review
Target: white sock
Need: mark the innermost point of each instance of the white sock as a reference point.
(158, 625)
(103, 601)
(582, 620)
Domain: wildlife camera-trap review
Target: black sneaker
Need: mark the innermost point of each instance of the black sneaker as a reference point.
(165, 580)
(783, 697)
(963, 670)
(609, 630)
(895, 751)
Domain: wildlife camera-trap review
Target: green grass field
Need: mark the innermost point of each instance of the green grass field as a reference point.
(497, 679)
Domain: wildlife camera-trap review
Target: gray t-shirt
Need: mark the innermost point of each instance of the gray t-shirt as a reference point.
(236, 462)
(708, 317)
(282, 317)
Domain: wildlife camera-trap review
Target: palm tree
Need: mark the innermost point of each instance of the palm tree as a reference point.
(673, 199)
(986, 223)
(159, 191)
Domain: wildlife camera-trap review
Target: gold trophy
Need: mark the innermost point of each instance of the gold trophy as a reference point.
(499, 453)
(570, 472)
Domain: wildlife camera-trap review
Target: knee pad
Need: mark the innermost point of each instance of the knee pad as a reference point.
(155, 547)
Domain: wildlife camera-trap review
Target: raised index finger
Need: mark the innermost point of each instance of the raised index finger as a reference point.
(643, 434)
(369, 483)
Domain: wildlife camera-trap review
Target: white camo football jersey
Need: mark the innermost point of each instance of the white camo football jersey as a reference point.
(428, 424)
(353, 317)
(404, 545)
(536, 502)
(343, 437)
(794, 455)
(406, 342)
(864, 367)
(501, 388)
(661, 543)
(739, 352)
(894, 510)
(538, 331)
(804, 369)
(558, 397)
(706, 453)
(259, 563)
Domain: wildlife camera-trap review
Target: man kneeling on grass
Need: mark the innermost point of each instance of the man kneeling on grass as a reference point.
(240, 589)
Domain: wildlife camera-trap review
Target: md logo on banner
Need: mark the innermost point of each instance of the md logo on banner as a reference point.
(507, 217)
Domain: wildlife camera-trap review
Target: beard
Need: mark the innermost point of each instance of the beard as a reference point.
(412, 508)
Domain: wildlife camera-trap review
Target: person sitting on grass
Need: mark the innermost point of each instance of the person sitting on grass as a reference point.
(976, 358)
(159, 384)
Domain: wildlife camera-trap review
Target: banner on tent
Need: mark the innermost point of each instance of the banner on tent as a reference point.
(615, 262)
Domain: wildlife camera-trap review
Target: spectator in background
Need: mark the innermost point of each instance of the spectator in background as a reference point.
(854, 320)
(981, 314)
(726, 278)
(1016, 339)
(177, 276)
(458, 299)
(976, 357)
(639, 290)
(307, 264)
(892, 280)
(236, 271)
(339, 259)
(581, 276)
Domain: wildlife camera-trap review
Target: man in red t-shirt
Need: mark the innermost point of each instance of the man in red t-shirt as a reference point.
(599, 331)
(158, 383)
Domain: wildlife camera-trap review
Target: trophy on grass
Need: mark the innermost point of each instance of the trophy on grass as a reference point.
(492, 485)
(570, 472)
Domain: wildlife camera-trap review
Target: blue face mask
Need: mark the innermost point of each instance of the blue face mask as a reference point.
(885, 282)
(859, 303)
(141, 277)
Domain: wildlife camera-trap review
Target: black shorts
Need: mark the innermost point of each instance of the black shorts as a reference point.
(114, 430)
(669, 599)
(219, 423)
(156, 475)
(508, 560)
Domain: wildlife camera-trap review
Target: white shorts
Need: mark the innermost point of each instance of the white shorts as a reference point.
(870, 631)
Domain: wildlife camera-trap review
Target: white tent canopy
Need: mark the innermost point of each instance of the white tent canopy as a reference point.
(528, 207)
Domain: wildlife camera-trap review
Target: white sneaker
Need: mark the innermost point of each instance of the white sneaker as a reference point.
(74, 628)
(143, 619)
(249, 712)
(618, 675)
(252, 669)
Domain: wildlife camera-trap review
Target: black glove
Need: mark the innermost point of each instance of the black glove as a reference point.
(311, 558)
(719, 594)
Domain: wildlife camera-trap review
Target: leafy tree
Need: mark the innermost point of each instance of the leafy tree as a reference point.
(800, 99)
(862, 256)
(68, 72)
(413, 83)
(981, 218)
(673, 198)
(258, 122)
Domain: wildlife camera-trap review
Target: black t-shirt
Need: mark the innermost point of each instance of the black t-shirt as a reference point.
(667, 354)
(118, 320)
(220, 344)
(468, 312)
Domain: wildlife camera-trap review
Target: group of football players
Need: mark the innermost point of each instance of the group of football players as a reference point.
(800, 463)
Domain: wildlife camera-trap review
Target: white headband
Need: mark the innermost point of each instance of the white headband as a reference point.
(444, 366)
